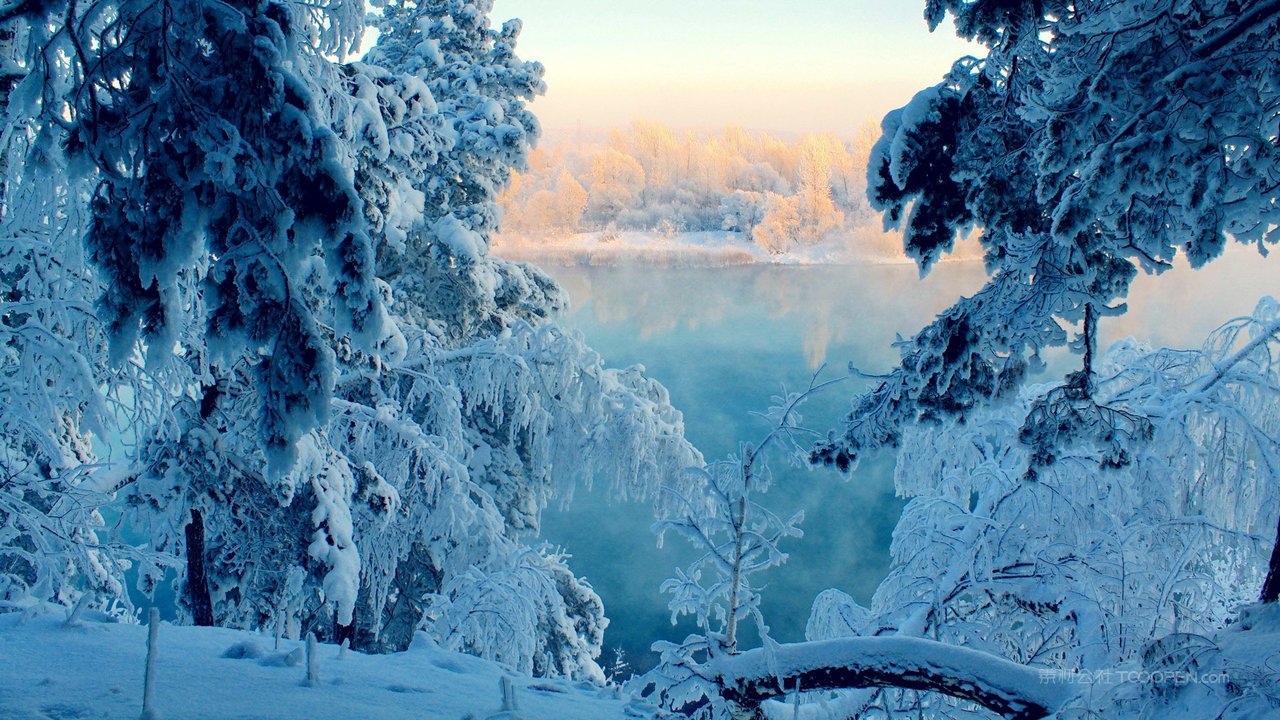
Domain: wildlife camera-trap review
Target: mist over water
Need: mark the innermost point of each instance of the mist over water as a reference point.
(725, 340)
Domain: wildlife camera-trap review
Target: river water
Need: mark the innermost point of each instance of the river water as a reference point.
(725, 340)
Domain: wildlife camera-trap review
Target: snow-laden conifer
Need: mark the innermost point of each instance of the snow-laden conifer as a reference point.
(404, 508)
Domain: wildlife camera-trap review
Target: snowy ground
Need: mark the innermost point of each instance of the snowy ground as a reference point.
(49, 671)
(95, 670)
(1232, 675)
(688, 249)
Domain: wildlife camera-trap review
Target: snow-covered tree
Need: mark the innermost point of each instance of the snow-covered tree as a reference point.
(648, 178)
(482, 88)
(1090, 143)
(1094, 140)
(742, 211)
(407, 507)
(615, 182)
(226, 200)
(59, 399)
(51, 399)
(364, 414)
(421, 484)
(819, 216)
(1172, 542)
(550, 212)
(779, 228)
(1118, 515)
(1004, 591)
(715, 508)
(443, 279)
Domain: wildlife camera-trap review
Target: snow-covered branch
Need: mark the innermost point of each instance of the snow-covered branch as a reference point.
(1006, 688)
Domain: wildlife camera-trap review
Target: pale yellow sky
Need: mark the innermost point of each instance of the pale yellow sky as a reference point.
(781, 65)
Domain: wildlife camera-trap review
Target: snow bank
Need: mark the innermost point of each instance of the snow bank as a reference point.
(94, 670)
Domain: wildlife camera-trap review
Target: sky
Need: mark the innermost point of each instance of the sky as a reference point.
(787, 66)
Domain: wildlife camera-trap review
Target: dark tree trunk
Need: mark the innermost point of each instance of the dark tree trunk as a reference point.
(345, 632)
(1271, 588)
(197, 580)
(1090, 345)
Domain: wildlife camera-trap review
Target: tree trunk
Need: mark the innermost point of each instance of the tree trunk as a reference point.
(735, 579)
(1271, 588)
(345, 632)
(1090, 346)
(197, 580)
(739, 529)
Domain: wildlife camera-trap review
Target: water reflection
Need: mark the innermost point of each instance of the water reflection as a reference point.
(829, 305)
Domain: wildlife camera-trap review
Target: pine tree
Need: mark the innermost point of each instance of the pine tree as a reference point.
(406, 506)
(1153, 139)
(226, 200)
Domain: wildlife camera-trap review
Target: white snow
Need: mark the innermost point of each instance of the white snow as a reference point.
(95, 670)
(461, 241)
(977, 672)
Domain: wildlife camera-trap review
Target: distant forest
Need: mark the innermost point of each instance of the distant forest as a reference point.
(780, 194)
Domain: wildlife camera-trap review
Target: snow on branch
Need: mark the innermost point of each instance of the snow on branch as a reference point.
(1075, 191)
(1011, 690)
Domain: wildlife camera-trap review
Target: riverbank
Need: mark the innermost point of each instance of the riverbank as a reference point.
(693, 249)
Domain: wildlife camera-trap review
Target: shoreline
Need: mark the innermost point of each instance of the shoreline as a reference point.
(694, 252)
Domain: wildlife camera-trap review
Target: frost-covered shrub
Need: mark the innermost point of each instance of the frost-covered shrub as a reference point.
(427, 474)
(742, 211)
(528, 611)
(57, 392)
(717, 509)
(780, 227)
